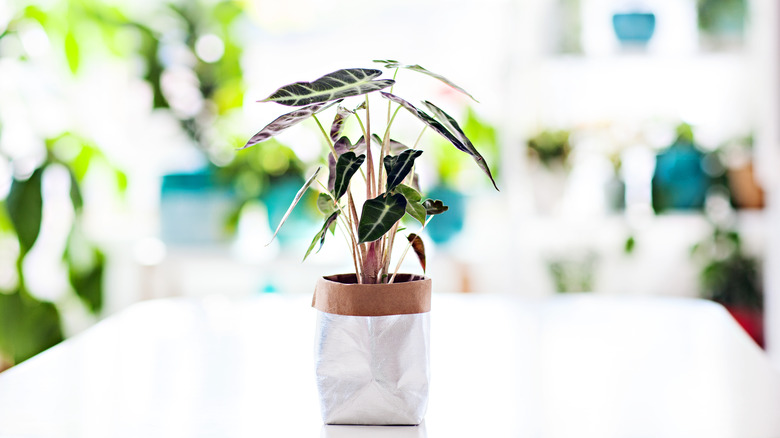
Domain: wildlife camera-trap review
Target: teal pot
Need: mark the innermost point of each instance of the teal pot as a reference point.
(300, 226)
(444, 227)
(193, 209)
(634, 28)
(679, 181)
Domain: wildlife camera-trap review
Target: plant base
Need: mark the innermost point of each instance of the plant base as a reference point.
(373, 369)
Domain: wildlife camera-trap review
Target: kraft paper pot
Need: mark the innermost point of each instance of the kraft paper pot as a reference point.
(372, 350)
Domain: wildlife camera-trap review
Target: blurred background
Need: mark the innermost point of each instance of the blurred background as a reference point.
(635, 143)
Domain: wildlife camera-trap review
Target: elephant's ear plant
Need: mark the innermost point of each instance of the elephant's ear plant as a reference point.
(385, 165)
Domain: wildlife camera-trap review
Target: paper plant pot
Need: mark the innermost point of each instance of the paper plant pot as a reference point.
(372, 350)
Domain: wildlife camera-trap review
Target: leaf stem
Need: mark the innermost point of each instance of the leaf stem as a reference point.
(371, 189)
(353, 247)
(389, 249)
(327, 137)
(419, 136)
(355, 221)
(349, 222)
(389, 103)
(386, 145)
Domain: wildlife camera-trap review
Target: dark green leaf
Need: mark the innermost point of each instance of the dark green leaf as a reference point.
(434, 207)
(88, 284)
(298, 197)
(628, 248)
(469, 148)
(399, 166)
(346, 166)
(320, 237)
(417, 211)
(418, 247)
(27, 326)
(285, 121)
(325, 204)
(333, 86)
(25, 208)
(379, 215)
(86, 267)
(75, 192)
(395, 64)
(409, 193)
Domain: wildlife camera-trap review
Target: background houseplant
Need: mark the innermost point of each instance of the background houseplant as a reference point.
(731, 277)
(372, 348)
(548, 153)
(30, 324)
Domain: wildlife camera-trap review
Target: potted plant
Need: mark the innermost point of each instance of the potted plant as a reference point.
(548, 153)
(372, 343)
(732, 278)
(737, 157)
(721, 23)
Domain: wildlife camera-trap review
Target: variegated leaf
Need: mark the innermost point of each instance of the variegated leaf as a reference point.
(332, 86)
(379, 215)
(416, 210)
(298, 197)
(341, 146)
(342, 114)
(409, 193)
(433, 207)
(389, 63)
(320, 236)
(413, 206)
(325, 204)
(399, 166)
(418, 247)
(469, 148)
(395, 146)
(287, 120)
(346, 166)
(428, 120)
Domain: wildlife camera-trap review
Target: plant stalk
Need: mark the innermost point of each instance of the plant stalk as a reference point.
(371, 165)
(328, 140)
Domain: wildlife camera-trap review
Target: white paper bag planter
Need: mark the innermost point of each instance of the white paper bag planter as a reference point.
(372, 350)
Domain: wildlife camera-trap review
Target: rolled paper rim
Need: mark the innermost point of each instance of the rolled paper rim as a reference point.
(341, 295)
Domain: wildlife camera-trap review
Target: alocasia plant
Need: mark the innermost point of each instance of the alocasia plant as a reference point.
(388, 178)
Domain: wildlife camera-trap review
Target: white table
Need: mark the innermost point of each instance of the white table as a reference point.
(501, 367)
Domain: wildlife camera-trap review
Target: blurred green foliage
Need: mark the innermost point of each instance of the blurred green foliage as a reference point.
(161, 39)
(729, 276)
(550, 147)
(450, 162)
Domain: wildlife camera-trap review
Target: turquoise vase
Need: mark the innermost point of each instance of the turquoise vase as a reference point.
(679, 181)
(277, 199)
(446, 226)
(193, 209)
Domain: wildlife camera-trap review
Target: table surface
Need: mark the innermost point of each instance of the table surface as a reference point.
(502, 367)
